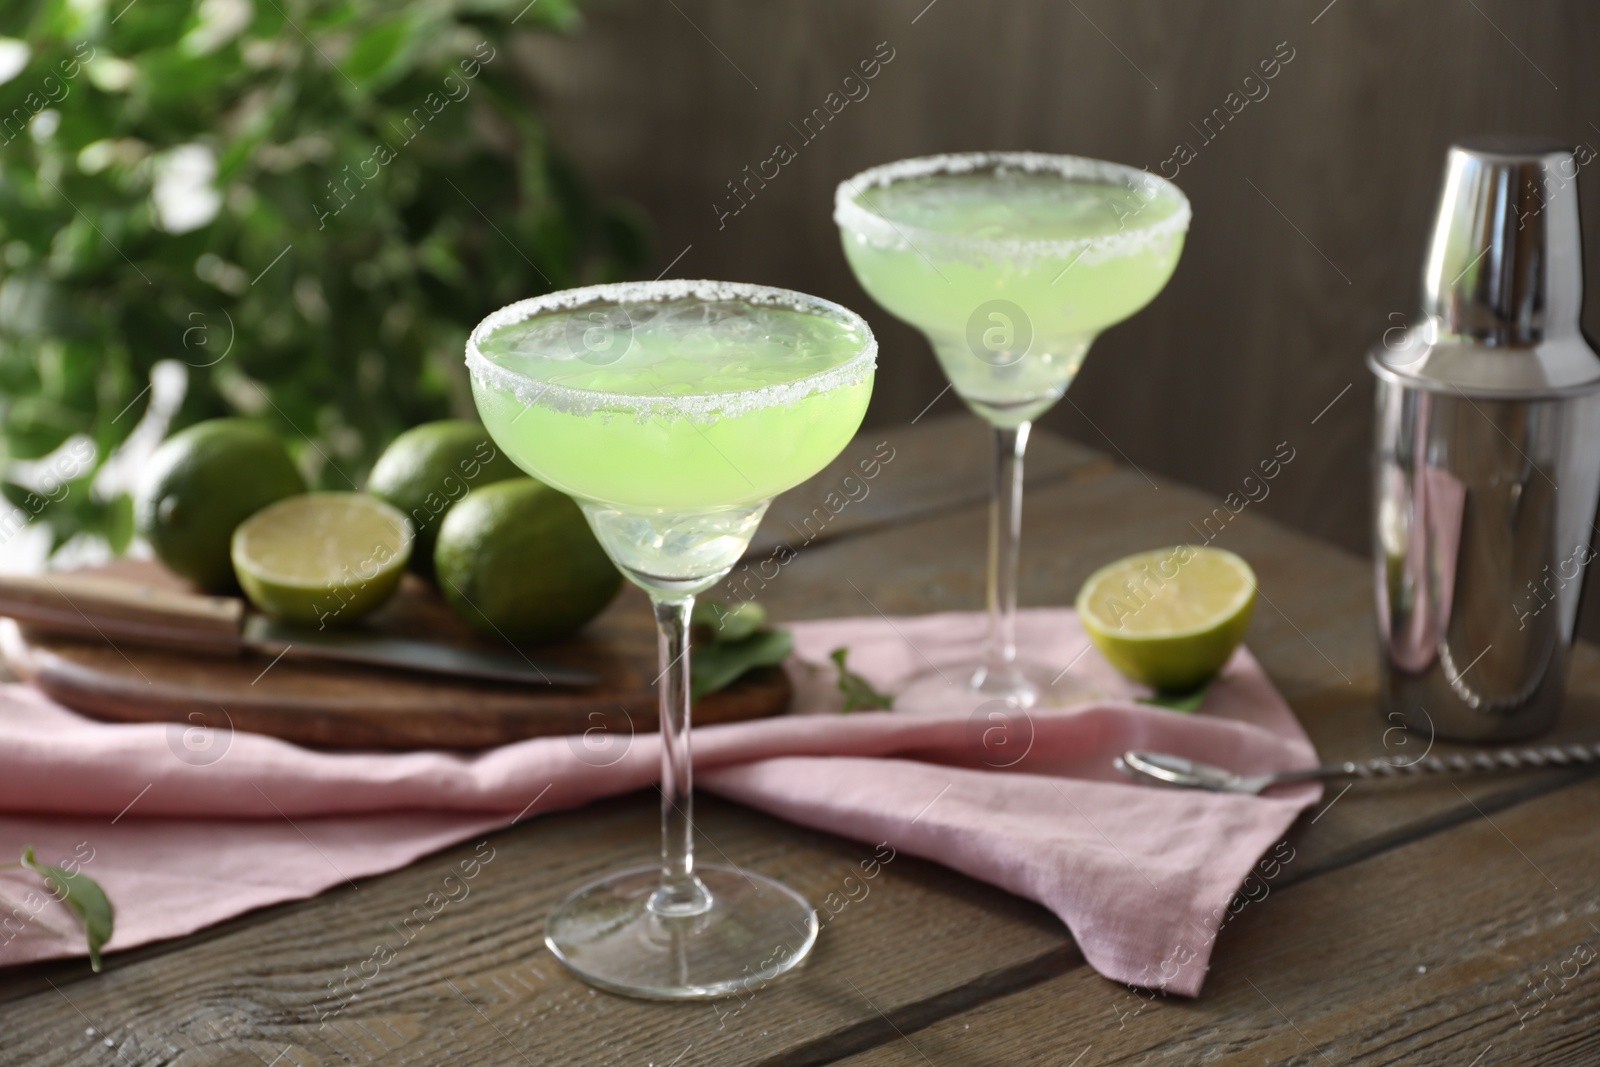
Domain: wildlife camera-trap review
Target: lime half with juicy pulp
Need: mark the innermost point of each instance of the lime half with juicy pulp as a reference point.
(322, 559)
(1169, 618)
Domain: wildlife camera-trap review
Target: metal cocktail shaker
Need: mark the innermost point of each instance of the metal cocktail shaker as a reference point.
(1488, 453)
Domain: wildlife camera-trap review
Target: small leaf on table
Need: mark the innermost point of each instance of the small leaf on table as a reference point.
(858, 692)
(727, 622)
(721, 662)
(83, 897)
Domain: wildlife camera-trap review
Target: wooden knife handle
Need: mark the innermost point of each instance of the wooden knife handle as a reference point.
(119, 610)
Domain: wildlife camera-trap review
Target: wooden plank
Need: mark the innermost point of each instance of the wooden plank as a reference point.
(1473, 947)
(475, 985)
(900, 473)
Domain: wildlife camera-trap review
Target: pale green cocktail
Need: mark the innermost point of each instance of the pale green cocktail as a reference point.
(946, 249)
(673, 412)
(1010, 263)
(674, 404)
(673, 421)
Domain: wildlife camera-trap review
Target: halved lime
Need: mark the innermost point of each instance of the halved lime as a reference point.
(1169, 618)
(322, 559)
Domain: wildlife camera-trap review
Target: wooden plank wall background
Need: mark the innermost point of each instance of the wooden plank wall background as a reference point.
(1311, 206)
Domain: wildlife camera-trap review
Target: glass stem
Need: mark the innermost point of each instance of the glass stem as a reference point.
(1005, 536)
(680, 893)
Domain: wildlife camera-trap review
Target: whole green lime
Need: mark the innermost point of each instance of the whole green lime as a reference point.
(427, 469)
(517, 560)
(200, 484)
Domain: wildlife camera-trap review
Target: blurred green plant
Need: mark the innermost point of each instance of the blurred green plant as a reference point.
(308, 203)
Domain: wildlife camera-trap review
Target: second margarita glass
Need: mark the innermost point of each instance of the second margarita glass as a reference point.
(1010, 263)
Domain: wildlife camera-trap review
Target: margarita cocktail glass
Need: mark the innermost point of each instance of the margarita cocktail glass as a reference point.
(673, 412)
(1010, 263)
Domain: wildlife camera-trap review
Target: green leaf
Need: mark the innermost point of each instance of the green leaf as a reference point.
(119, 523)
(721, 663)
(168, 78)
(381, 53)
(729, 623)
(83, 897)
(36, 427)
(858, 692)
(19, 374)
(1189, 701)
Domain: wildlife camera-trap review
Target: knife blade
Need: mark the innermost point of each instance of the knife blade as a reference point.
(270, 638)
(117, 609)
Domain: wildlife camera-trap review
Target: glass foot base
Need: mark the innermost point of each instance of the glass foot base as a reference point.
(753, 930)
(969, 686)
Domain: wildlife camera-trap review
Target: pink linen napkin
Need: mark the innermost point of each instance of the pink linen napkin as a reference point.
(186, 828)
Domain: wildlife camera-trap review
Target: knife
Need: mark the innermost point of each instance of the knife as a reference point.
(121, 610)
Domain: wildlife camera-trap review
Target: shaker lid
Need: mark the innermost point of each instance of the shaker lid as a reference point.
(1502, 287)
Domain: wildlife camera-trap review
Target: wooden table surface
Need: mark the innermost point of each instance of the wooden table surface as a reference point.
(1430, 921)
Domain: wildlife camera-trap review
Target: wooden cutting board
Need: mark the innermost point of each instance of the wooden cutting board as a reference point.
(337, 706)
